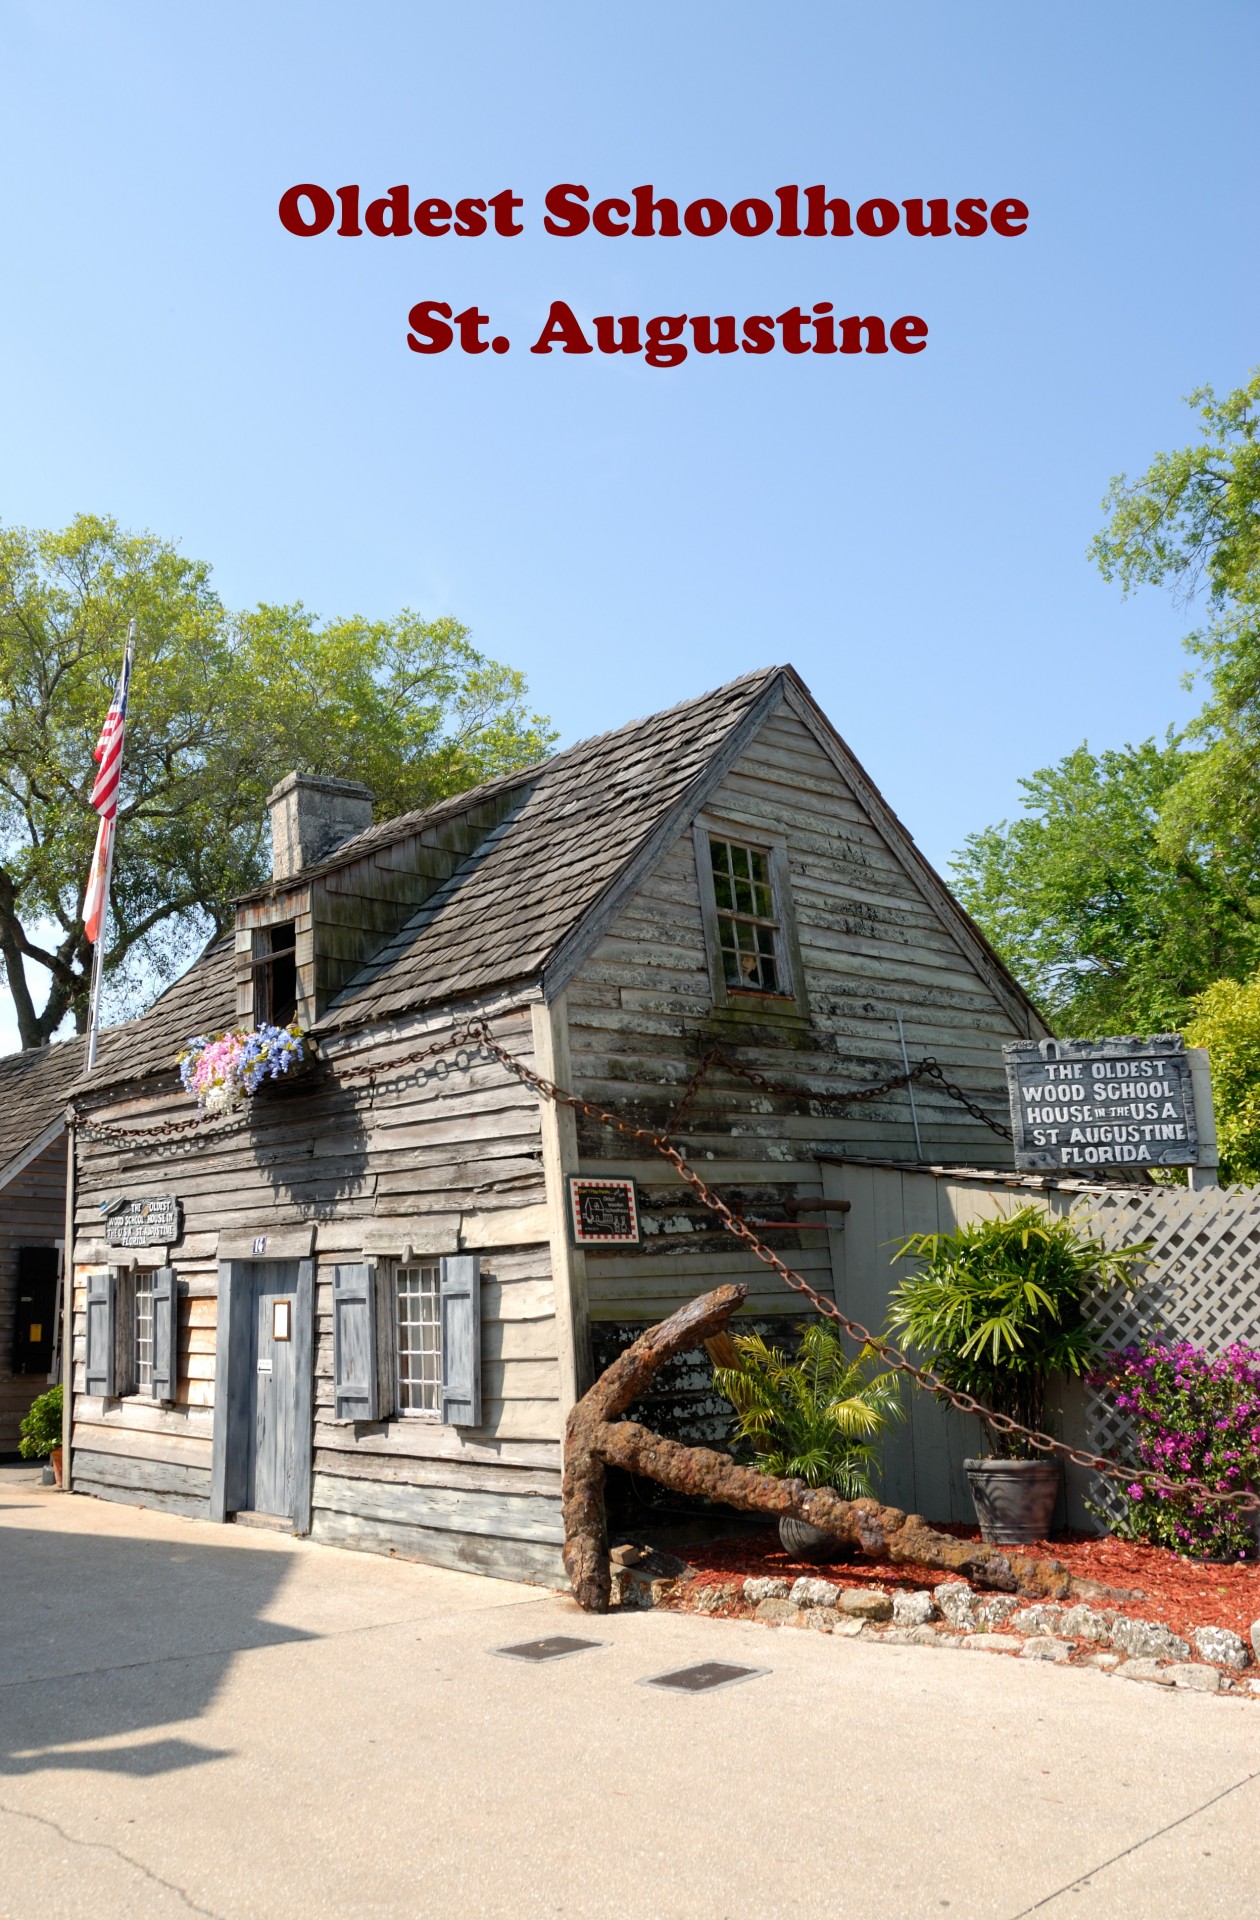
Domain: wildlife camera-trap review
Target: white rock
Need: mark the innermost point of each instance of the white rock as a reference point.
(1088, 1623)
(755, 1591)
(1147, 1640)
(1255, 1638)
(912, 1609)
(866, 1603)
(956, 1602)
(993, 1643)
(1043, 1617)
(1044, 1647)
(814, 1593)
(1219, 1644)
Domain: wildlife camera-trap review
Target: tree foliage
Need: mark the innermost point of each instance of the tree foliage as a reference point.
(1130, 885)
(223, 704)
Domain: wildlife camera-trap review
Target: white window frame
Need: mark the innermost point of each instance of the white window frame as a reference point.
(404, 1269)
(141, 1288)
(790, 1000)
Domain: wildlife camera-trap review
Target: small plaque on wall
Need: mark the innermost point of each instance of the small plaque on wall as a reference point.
(282, 1319)
(149, 1222)
(603, 1213)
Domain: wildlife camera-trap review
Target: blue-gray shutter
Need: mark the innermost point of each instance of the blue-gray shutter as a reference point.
(102, 1308)
(165, 1334)
(355, 1395)
(461, 1340)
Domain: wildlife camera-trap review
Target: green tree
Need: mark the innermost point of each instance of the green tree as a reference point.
(1191, 522)
(1227, 1022)
(222, 705)
(1110, 928)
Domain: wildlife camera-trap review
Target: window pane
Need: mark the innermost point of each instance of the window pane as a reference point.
(739, 862)
(144, 1332)
(419, 1326)
(760, 866)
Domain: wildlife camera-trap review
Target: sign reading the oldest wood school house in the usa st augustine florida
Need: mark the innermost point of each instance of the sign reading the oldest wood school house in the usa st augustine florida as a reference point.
(1102, 1103)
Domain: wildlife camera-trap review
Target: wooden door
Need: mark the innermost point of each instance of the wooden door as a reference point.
(269, 1485)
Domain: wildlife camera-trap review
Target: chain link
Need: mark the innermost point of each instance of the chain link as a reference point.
(927, 1069)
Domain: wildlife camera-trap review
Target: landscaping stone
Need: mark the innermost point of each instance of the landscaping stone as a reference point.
(1148, 1670)
(776, 1612)
(821, 1619)
(996, 1609)
(1198, 1679)
(755, 1591)
(992, 1643)
(814, 1593)
(912, 1609)
(712, 1599)
(1219, 1644)
(956, 1603)
(1147, 1640)
(1044, 1647)
(920, 1637)
(866, 1603)
(1255, 1638)
(1105, 1662)
(1042, 1618)
(1088, 1623)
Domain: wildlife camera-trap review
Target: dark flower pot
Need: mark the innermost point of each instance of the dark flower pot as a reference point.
(802, 1542)
(1014, 1499)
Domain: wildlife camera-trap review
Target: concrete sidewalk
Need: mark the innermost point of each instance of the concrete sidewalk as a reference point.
(228, 1723)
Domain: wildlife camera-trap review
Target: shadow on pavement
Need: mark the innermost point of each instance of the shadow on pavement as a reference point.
(108, 1637)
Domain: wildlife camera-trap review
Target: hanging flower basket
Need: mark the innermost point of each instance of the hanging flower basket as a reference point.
(223, 1070)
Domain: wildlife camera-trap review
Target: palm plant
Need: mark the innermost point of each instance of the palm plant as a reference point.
(1000, 1305)
(816, 1416)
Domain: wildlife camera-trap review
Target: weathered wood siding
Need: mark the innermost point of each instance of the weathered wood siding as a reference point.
(873, 944)
(32, 1214)
(440, 1160)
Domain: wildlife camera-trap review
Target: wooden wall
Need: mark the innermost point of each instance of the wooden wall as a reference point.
(441, 1161)
(32, 1214)
(873, 945)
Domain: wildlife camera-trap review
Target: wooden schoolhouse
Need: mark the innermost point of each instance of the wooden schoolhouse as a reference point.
(361, 1307)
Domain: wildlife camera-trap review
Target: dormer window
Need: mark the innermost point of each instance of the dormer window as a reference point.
(275, 976)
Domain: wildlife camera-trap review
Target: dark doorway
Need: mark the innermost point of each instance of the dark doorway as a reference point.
(34, 1329)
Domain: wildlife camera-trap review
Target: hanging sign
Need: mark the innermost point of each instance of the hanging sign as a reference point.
(147, 1222)
(603, 1213)
(1082, 1104)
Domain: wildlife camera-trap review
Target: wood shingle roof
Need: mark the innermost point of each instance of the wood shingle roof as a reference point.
(34, 1088)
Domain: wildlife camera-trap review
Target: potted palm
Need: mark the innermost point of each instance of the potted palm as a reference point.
(39, 1436)
(815, 1416)
(1000, 1307)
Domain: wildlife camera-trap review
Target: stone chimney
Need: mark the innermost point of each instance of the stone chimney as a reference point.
(311, 817)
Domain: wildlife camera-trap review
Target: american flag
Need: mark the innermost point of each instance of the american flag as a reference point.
(109, 751)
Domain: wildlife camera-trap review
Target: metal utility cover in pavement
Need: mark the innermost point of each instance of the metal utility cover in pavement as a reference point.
(704, 1677)
(557, 1647)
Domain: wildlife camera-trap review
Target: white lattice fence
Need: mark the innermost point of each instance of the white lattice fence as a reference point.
(1202, 1285)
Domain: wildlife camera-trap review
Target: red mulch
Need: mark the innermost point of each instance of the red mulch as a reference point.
(1183, 1594)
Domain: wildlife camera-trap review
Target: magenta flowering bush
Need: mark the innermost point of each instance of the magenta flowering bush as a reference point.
(1197, 1418)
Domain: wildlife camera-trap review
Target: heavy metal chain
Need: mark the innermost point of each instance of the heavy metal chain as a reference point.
(474, 1035)
(927, 1069)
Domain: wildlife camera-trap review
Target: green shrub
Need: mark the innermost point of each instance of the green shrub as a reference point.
(40, 1432)
(999, 1305)
(815, 1417)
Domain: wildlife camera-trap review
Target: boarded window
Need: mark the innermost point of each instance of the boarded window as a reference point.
(418, 1322)
(749, 934)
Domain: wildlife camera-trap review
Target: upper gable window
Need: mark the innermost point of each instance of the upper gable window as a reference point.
(750, 937)
(746, 901)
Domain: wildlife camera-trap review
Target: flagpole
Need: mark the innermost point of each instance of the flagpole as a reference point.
(98, 950)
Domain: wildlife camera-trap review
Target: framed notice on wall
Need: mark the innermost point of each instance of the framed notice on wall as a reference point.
(603, 1213)
(1084, 1104)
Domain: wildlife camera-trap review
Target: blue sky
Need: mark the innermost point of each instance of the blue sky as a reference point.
(910, 532)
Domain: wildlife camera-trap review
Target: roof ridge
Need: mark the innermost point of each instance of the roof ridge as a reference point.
(383, 833)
